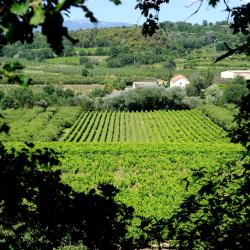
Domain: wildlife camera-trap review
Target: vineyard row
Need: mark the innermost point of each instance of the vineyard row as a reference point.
(141, 127)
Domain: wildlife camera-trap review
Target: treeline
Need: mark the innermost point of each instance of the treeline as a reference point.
(176, 37)
(22, 97)
(128, 45)
(201, 90)
(145, 99)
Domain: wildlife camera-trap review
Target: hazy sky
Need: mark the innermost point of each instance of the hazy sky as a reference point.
(176, 10)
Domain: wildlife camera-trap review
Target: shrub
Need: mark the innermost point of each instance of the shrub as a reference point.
(85, 72)
(235, 90)
(145, 98)
(213, 94)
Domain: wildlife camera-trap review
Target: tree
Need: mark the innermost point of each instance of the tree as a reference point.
(213, 94)
(196, 86)
(235, 90)
(84, 60)
(19, 18)
(17, 98)
(204, 23)
(170, 64)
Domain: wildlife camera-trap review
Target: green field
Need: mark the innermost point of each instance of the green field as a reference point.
(68, 70)
(145, 154)
(73, 125)
(37, 124)
(149, 176)
(145, 127)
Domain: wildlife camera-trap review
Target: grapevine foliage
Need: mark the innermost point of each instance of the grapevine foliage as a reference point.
(144, 127)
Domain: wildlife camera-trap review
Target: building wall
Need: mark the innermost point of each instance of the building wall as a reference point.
(234, 73)
(227, 74)
(179, 83)
(144, 84)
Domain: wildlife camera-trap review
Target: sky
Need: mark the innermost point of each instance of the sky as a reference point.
(176, 10)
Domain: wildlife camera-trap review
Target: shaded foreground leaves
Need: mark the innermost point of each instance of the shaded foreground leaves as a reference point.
(37, 211)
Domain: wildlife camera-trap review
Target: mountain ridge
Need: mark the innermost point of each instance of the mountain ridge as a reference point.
(85, 24)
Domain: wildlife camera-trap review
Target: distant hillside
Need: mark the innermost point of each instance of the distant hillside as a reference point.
(127, 46)
(177, 38)
(84, 24)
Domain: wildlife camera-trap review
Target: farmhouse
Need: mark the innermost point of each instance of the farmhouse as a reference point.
(144, 84)
(179, 81)
(230, 74)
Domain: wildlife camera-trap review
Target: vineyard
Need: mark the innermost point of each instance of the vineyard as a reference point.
(146, 155)
(144, 127)
(38, 124)
(148, 176)
(71, 124)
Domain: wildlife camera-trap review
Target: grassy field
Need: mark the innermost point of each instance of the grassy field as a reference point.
(37, 124)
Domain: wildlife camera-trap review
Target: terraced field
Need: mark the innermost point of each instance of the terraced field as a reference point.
(144, 127)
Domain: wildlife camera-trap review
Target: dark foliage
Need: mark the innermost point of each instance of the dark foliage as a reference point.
(218, 216)
(11, 73)
(242, 133)
(37, 211)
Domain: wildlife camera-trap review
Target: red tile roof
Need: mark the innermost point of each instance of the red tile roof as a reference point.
(177, 77)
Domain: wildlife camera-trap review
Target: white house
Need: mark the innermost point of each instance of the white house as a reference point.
(230, 74)
(179, 81)
(144, 84)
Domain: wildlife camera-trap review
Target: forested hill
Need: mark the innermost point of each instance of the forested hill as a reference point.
(177, 39)
(175, 36)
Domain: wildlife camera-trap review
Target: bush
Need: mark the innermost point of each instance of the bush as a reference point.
(84, 60)
(83, 101)
(219, 115)
(37, 54)
(17, 98)
(193, 102)
(144, 98)
(235, 90)
(85, 72)
(213, 94)
(99, 92)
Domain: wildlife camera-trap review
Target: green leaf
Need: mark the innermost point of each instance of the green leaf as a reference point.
(117, 2)
(60, 5)
(19, 9)
(38, 17)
